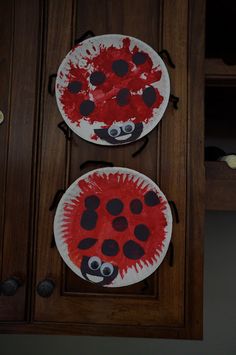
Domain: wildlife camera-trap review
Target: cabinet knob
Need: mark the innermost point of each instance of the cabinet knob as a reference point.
(45, 288)
(10, 286)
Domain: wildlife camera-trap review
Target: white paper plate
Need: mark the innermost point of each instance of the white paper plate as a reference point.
(113, 226)
(112, 89)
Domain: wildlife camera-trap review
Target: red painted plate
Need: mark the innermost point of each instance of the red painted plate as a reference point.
(112, 89)
(113, 226)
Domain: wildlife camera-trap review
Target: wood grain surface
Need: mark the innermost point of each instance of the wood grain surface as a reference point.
(169, 303)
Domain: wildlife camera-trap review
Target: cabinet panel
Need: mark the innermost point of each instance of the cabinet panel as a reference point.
(120, 20)
(19, 73)
(173, 170)
(220, 90)
(160, 301)
(37, 161)
(67, 165)
(220, 39)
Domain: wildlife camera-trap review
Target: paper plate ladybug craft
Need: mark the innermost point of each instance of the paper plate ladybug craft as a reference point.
(112, 89)
(113, 226)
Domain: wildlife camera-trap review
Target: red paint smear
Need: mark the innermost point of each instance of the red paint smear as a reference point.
(119, 187)
(104, 96)
(94, 137)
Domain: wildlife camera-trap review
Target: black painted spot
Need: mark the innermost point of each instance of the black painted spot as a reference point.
(97, 78)
(110, 247)
(87, 243)
(87, 107)
(151, 199)
(139, 58)
(123, 97)
(120, 224)
(115, 206)
(141, 232)
(89, 220)
(92, 202)
(136, 206)
(149, 96)
(133, 250)
(74, 87)
(120, 67)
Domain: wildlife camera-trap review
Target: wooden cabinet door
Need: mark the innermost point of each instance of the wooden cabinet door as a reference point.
(19, 47)
(168, 303)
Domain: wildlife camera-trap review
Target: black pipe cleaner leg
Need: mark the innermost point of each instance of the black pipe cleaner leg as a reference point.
(165, 53)
(175, 100)
(56, 199)
(84, 36)
(171, 254)
(65, 129)
(53, 243)
(175, 210)
(145, 142)
(51, 84)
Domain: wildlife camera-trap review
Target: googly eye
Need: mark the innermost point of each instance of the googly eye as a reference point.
(128, 127)
(114, 131)
(107, 269)
(94, 263)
